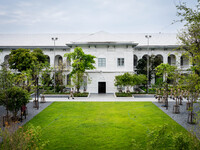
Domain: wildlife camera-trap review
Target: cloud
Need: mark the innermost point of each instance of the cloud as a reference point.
(87, 15)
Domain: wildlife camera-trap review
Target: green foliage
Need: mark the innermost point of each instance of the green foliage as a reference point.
(6, 77)
(142, 66)
(46, 79)
(85, 94)
(16, 97)
(152, 90)
(22, 139)
(78, 80)
(190, 35)
(153, 63)
(123, 94)
(38, 53)
(23, 59)
(11, 96)
(129, 80)
(165, 70)
(162, 137)
(59, 88)
(81, 63)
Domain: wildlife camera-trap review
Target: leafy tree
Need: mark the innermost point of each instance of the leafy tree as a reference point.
(6, 82)
(28, 63)
(23, 59)
(46, 78)
(190, 40)
(20, 59)
(41, 58)
(167, 71)
(81, 63)
(153, 63)
(16, 98)
(190, 34)
(142, 66)
(129, 80)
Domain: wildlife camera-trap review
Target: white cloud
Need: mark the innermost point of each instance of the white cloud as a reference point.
(87, 15)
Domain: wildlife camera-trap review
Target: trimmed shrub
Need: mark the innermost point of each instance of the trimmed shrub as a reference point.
(123, 94)
(81, 94)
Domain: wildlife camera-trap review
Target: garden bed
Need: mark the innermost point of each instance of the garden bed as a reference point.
(65, 95)
(123, 94)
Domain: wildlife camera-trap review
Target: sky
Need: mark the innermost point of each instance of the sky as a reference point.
(89, 16)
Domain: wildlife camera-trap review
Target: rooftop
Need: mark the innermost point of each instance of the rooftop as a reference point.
(160, 39)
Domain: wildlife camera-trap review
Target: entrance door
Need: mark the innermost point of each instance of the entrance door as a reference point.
(102, 87)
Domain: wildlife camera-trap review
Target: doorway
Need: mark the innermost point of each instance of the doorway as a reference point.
(102, 87)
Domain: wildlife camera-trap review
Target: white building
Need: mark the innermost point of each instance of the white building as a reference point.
(116, 53)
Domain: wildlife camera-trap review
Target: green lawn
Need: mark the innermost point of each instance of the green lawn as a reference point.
(99, 125)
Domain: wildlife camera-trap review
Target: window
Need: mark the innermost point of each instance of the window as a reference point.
(120, 61)
(101, 62)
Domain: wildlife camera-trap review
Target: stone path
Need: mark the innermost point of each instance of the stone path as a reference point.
(182, 117)
(31, 112)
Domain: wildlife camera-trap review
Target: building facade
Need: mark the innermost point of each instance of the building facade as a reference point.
(115, 53)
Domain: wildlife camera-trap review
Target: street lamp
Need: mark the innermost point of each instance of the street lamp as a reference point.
(54, 40)
(148, 37)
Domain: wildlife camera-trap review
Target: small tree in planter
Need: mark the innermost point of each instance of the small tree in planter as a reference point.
(167, 71)
(192, 84)
(118, 83)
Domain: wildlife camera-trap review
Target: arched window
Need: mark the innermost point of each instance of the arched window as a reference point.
(135, 60)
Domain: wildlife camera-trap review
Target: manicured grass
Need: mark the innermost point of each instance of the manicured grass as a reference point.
(99, 125)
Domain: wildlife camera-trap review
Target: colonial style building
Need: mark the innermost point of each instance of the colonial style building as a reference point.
(115, 53)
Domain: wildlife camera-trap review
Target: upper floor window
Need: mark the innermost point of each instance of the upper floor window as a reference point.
(101, 62)
(120, 61)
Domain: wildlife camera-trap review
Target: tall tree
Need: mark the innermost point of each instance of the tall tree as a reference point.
(190, 34)
(153, 63)
(21, 59)
(6, 82)
(190, 40)
(81, 63)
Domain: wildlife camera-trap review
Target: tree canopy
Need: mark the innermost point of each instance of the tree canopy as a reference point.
(81, 63)
(153, 63)
(129, 80)
(23, 59)
(190, 34)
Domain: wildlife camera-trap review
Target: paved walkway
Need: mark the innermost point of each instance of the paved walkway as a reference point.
(31, 112)
(102, 98)
(182, 117)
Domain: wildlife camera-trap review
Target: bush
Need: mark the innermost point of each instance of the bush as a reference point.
(52, 92)
(162, 137)
(22, 139)
(123, 94)
(13, 98)
(152, 90)
(85, 94)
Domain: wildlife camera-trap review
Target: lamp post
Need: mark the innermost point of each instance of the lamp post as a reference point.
(54, 40)
(148, 37)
